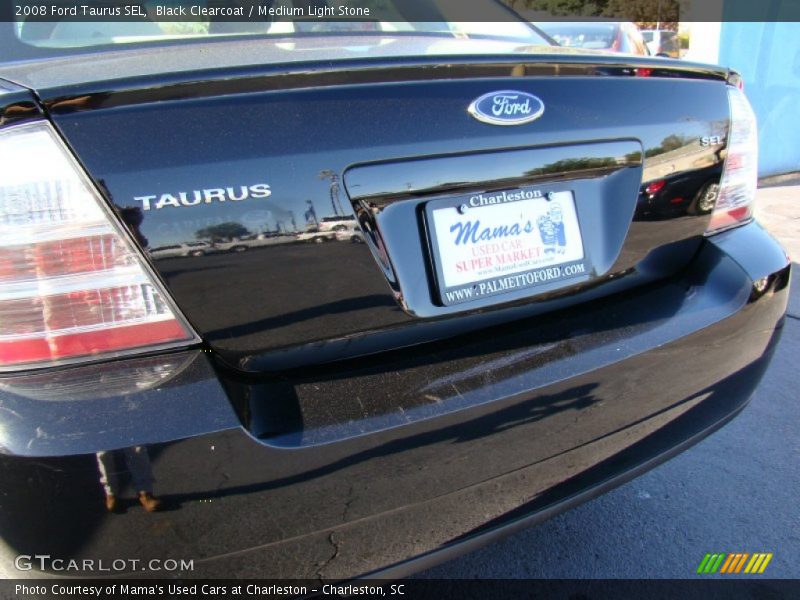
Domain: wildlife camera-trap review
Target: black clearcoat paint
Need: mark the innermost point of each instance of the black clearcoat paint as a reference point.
(336, 405)
(336, 146)
(488, 429)
(17, 104)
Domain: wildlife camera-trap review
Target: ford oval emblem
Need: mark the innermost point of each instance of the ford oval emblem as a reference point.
(507, 107)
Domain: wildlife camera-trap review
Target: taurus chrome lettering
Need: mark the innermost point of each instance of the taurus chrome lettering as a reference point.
(205, 196)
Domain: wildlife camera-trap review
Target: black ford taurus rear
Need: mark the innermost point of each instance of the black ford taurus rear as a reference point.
(229, 289)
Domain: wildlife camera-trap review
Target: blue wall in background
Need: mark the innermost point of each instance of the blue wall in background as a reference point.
(768, 56)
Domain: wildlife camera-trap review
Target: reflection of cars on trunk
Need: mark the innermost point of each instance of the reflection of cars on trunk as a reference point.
(352, 236)
(349, 233)
(234, 245)
(705, 199)
(255, 241)
(270, 238)
(314, 234)
(337, 223)
(662, 42)
(187, 249)
(622, 37)
(694, 194)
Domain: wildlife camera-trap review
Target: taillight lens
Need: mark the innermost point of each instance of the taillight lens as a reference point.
(72, 284)
(737, 190)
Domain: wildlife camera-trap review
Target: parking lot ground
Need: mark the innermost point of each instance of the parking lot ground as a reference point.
(778, 209)
(736, 491)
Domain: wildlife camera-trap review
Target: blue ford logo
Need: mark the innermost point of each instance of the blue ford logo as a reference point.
(507, 107)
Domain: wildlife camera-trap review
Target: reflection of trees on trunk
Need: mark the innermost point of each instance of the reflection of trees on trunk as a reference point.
(311, 214)
(282, 227)
(669, 143)
(568, 165)
(718, 127)
(664, 12)
(336, 203)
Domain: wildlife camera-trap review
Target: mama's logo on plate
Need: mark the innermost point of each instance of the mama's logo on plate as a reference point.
(497, 242)
(506, 107)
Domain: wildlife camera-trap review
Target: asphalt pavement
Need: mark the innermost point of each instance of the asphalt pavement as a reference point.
(736, 491)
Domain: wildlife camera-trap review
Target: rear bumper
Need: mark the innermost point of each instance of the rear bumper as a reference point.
(401, 460)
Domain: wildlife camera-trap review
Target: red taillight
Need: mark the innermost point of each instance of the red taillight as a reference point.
(72, 285)
(89, 342)
(655, 187)
(737, 189)
(725, 219)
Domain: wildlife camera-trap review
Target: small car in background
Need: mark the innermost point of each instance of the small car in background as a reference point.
(260, 240)
(621, 37)
(662, 42)
(187, 249)
(316, 235)
(337, 223)
(234, 245)
(349, 233)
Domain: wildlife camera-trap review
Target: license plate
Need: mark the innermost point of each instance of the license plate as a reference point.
(495, 243)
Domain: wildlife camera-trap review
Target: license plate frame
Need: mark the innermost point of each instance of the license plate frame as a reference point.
(534, 255)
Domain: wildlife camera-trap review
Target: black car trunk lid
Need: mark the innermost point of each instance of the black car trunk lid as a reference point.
(309, 189)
